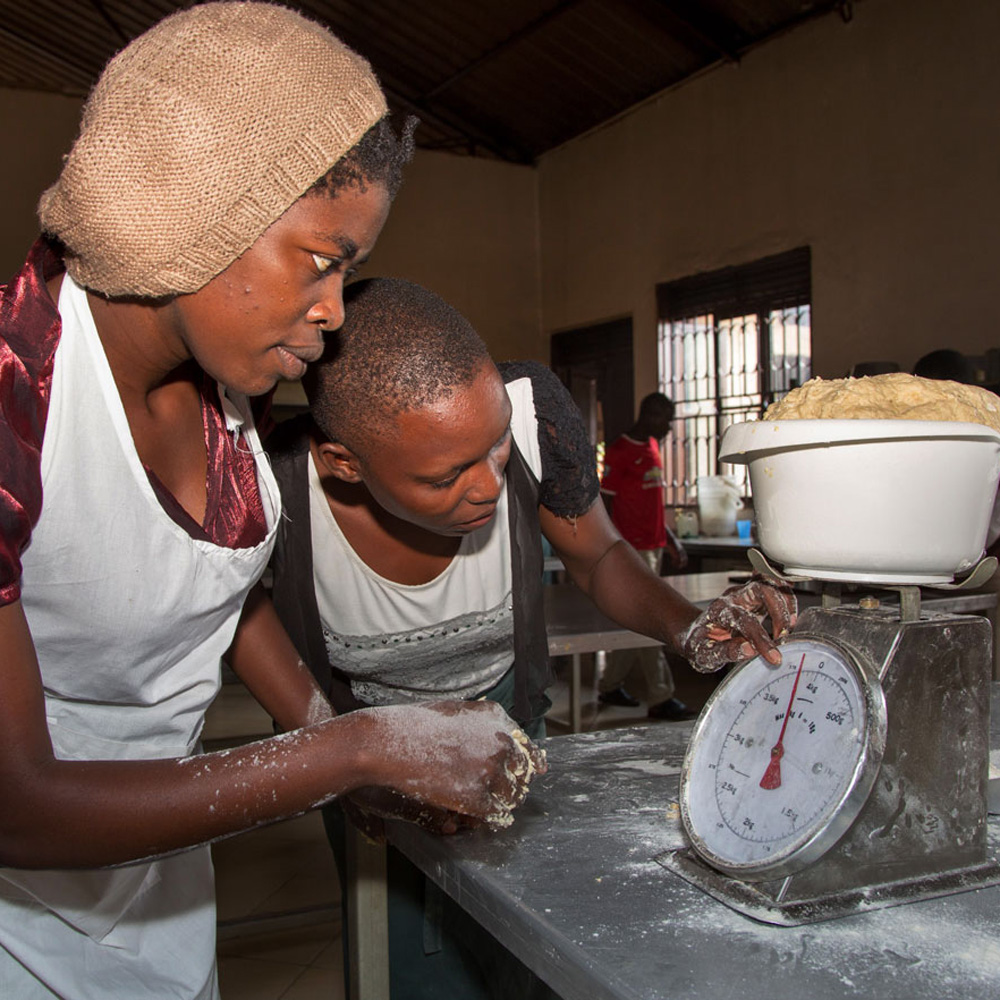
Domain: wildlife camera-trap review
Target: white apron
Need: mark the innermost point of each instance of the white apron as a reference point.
(130, 617)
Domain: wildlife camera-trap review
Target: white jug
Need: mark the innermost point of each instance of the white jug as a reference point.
(718, 501)
(685, 523)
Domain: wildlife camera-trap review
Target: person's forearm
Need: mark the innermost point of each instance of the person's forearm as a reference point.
(625, 590)
(615, 577)
(83, 814)
(460, 757)
(263, 657)
(72, 813)
(89, 814)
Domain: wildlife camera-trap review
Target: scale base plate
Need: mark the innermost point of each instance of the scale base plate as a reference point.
(746, 898)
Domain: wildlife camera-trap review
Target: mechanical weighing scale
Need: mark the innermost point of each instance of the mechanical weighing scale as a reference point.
(854, 775)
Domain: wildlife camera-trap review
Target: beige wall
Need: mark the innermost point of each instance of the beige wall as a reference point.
(875, 142)
(467, 229)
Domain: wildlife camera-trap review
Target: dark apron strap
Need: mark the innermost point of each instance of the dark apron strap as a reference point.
(532, 673)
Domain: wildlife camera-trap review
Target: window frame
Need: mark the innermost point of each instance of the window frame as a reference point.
(705, 309)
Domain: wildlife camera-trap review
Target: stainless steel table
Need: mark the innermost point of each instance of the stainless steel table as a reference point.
(572, 890)
(718, 551)
(608, 803)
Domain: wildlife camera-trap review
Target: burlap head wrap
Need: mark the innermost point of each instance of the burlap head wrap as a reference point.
(198, 135)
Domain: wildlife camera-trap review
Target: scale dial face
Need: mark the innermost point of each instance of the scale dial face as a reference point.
(782, 759)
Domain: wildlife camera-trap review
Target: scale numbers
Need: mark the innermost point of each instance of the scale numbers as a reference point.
(774, 759)
(812, 773)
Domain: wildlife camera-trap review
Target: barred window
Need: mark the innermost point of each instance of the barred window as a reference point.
(730, 343)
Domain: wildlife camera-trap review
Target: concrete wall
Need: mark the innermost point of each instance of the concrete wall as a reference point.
(38, 130)
(875, 142)
(468, 230)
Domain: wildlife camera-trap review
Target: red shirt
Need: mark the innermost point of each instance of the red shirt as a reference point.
(633, 476)
(29, 335)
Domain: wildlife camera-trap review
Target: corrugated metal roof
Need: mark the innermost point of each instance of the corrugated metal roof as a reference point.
(508, 79)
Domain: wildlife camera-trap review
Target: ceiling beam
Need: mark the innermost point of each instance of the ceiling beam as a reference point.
(509, 42)
(717, 33)
(24, 43)
(110, 21)
(512, 153)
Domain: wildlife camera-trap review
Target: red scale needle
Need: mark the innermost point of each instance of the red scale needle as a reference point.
(772, 776)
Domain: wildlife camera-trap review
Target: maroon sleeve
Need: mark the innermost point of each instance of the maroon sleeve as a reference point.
(29, 335)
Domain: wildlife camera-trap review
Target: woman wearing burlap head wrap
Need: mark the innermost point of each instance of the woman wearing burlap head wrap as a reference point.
(233, 166)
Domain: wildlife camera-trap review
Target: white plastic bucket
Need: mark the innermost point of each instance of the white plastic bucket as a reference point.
(890, 501)
(718, 501)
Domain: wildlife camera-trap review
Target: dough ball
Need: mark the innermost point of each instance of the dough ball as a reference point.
(896, 396)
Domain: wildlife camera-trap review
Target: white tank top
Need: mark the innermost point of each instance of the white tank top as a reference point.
(452, 637)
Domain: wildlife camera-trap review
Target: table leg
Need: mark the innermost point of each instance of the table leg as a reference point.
(367, 917)
(575, 714)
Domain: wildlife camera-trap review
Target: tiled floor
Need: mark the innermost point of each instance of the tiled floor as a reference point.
(277, 888)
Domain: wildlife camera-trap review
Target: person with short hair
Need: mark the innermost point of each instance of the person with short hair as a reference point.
(408, 565)
(946, 364)
(233, 166)
(632, 488)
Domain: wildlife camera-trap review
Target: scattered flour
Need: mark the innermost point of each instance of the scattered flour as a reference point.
(962, 949)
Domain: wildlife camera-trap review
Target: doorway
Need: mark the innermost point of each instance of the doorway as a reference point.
(595, 364)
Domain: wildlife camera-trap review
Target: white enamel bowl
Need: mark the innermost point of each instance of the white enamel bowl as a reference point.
(888, 501)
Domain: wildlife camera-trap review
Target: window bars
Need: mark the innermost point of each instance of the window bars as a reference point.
(730, 343)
